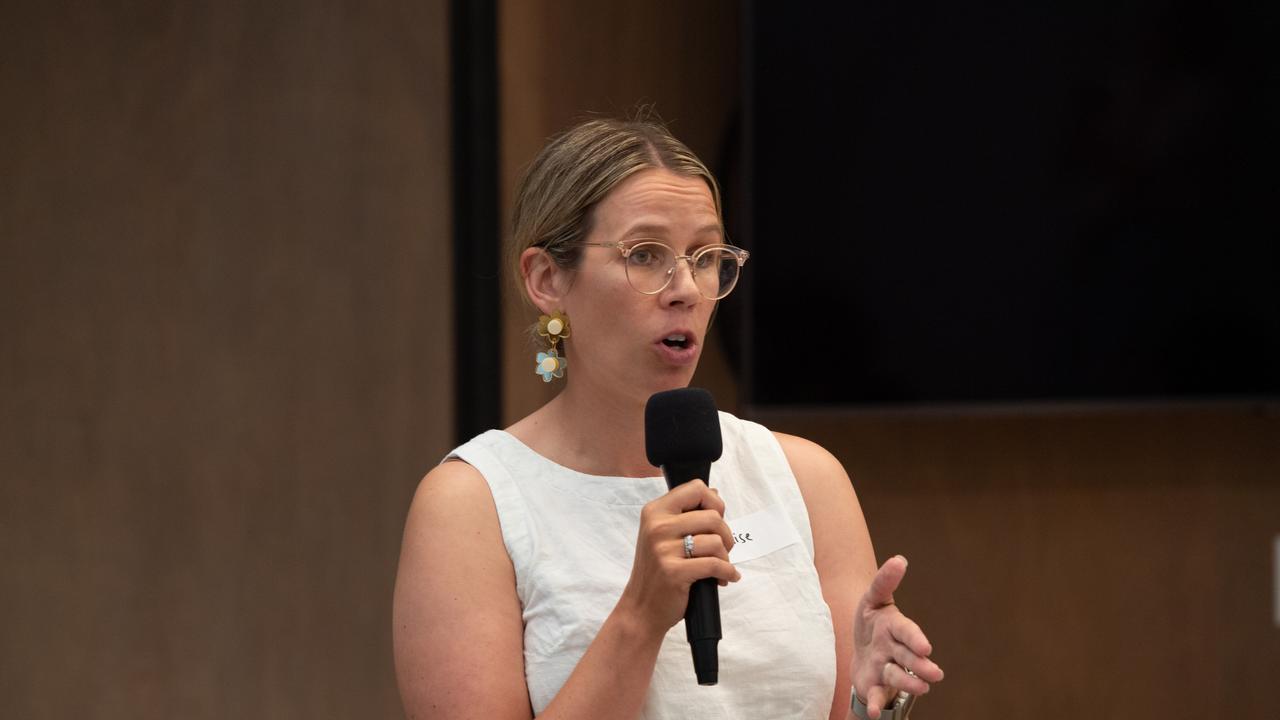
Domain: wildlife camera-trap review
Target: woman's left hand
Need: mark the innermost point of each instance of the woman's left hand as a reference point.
(887, 644)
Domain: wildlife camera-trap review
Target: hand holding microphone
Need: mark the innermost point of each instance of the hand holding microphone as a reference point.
(682, 436)
(669, 579)
(658, 590)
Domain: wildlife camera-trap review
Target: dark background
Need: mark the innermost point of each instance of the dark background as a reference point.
(993, 202)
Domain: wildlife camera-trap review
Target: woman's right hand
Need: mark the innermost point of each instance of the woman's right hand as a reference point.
(658, 590)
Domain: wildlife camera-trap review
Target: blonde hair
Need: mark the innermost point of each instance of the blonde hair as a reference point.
(576, 170)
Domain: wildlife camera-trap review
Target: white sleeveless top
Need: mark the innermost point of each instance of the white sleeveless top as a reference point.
(572, 536)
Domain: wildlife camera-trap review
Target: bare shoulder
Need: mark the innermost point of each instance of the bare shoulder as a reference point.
(452, 498)
(452, 486)
(452, 509)
(458, 631)
(816, 469)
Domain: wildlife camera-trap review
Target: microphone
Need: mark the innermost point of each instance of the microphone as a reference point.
(682, 436)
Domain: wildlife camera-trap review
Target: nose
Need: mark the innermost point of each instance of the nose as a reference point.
(683, 289)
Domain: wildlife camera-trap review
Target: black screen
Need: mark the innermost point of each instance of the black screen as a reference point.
(973, 202)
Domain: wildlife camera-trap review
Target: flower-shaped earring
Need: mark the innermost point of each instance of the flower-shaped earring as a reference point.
(550, 365)
(553, 327)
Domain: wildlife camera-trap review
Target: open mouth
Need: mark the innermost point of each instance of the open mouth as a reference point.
(676, 341)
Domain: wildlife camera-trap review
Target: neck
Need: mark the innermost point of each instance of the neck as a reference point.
(595, 432)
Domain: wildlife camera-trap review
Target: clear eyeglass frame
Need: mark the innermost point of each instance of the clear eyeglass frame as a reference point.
(627, 248)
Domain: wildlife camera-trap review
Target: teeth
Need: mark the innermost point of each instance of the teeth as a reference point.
(676, 338)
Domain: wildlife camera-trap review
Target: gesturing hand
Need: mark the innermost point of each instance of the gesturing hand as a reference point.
(886, 644)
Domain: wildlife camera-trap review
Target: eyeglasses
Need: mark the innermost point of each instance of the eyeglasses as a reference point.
(651, 266)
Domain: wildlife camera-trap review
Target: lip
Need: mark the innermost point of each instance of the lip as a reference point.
(686, 355)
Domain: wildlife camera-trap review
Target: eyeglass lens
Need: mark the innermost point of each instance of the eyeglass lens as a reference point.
(651, 266)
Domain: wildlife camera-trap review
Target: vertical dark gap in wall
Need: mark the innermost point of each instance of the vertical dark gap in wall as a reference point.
(747, 216)
(477, 351)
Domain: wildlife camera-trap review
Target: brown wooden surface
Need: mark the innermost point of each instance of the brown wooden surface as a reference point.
(561, 62)
(225, 302)
(1078, 563)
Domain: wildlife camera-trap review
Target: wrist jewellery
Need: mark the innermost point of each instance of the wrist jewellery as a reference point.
(898, 709)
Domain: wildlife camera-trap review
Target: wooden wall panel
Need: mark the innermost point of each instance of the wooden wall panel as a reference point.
(225, 302)
(1078, 563)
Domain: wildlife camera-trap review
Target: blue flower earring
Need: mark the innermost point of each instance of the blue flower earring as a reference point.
(553, 327)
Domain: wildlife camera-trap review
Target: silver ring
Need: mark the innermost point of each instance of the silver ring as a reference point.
(905, 669)
(688, 546)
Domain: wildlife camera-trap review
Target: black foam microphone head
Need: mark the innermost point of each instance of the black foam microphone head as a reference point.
(681, 426)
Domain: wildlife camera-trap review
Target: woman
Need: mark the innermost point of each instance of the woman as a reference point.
(545, 567)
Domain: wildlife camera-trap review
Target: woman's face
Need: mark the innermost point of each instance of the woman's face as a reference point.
(618, 333)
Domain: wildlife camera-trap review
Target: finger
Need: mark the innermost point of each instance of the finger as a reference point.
(877, 698)
(689, 496)
(697, 521)
(904, 630)
(702, 522)
(708, 546)
(896, 675)
(924, 668)
(697, 568)
(725, 535)
(886, 581)
(713, 501)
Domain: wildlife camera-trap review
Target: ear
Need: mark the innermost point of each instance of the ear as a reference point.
(544, 282)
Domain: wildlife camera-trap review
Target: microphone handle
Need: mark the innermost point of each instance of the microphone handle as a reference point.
(702, 614)
(702, 628)
(679, 473)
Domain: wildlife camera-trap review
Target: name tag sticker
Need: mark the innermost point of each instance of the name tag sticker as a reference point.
(761, 533)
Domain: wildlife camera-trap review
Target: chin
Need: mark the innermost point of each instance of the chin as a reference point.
(675, 380)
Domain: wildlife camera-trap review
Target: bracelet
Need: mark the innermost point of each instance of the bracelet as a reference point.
(897, 709)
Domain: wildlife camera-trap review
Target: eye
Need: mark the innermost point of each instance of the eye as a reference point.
(709, 257)
(645, 256)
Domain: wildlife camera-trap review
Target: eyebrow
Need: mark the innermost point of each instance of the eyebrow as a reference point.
(661, 230)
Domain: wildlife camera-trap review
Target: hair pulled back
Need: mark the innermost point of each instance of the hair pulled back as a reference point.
(576, 170)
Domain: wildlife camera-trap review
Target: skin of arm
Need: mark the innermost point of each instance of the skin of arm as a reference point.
(458, 625)
(458, 630)
(842, 548)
